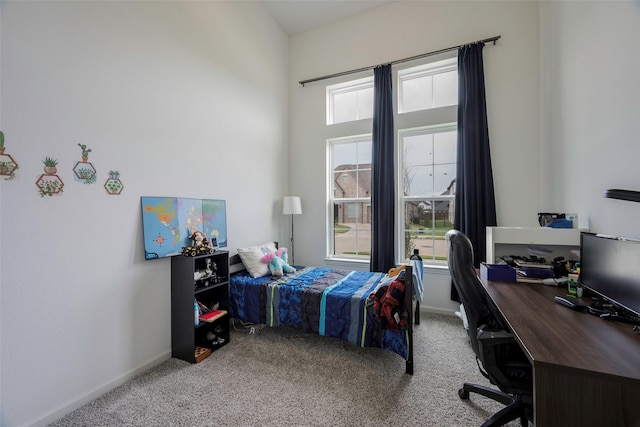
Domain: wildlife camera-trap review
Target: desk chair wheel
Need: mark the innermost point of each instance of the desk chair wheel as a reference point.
(463, 394)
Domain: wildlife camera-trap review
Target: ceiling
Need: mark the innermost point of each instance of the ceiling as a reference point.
(297, 16)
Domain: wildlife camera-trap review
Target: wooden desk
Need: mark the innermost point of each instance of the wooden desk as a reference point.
(586, 369)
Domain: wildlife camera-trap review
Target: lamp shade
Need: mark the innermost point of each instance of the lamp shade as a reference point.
(291, 205)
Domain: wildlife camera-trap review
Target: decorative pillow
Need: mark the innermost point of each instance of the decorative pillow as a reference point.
(251, 258)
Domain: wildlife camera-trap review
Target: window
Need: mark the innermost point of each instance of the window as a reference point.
(350, 165)
(428, 159)
(428, 86)
(351, 101)
(426, 142)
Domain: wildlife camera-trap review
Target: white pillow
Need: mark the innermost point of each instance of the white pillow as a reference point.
(251, 258)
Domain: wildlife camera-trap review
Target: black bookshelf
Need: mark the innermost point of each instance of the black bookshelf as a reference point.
(204, 278)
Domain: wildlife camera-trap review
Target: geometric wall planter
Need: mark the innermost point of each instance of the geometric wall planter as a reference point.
(113, 185)
(84, 171)
(8, 166)
(49, 184)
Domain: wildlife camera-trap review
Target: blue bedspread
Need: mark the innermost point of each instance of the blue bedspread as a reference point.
(325, 301)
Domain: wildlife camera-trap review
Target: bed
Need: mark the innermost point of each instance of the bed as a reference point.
(326, 301)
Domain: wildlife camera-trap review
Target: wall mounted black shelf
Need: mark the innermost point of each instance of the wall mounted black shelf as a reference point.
(632, 196)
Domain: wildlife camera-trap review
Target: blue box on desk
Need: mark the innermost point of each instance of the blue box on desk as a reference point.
(497, 272)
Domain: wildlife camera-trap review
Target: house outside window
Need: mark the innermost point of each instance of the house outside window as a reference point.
(425, 121)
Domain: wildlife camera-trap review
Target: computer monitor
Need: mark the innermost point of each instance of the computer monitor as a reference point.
(610, 268)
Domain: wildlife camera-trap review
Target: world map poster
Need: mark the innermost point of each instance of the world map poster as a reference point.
(167, 223)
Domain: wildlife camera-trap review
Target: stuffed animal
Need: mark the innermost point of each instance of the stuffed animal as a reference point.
(198, 238)
(277, 262)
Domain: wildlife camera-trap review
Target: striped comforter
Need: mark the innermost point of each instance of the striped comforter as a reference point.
(324, 301)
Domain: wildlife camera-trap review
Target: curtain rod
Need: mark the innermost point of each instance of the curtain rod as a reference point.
(424, 55)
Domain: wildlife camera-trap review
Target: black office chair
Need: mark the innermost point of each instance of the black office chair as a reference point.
(498, 355)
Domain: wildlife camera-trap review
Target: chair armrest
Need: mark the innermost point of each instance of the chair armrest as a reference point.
(499, 337)
(501, 356)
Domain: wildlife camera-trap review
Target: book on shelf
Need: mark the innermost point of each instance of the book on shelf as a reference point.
(523, 277)
(525, 264)
(212, 315)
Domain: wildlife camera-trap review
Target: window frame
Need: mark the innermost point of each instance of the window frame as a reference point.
(431, 69)
(435, 118)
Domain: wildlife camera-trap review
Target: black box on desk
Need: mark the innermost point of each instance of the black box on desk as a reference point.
(497, 272)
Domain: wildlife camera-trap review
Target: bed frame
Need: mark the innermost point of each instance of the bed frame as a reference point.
(413, 308)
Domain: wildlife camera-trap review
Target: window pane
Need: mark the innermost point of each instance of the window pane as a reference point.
(352, 229)
(443, 179)
(365, 103)
(344, 154)
(419, 147)
(445, 147)
(426, 223)
(345, 107)
(417, 94)
(353, 153)
(445, 89)
(428, 86)
(445, 155)
(418, 164)
(352, 169)
(420, 180)
(429, 163)
(350, 102)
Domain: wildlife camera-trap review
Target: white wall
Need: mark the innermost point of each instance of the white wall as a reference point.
(590, 118)
(405, 29)
(184, 99)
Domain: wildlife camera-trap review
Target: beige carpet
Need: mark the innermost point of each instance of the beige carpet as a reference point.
(282, 377)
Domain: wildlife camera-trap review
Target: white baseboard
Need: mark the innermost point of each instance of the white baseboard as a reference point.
(437, 310)
(93, 394)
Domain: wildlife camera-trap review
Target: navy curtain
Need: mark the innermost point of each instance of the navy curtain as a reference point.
(475, 204)
(383, 174)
